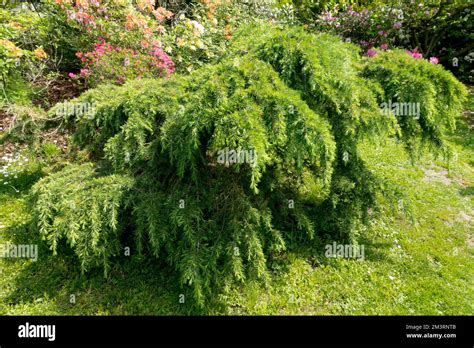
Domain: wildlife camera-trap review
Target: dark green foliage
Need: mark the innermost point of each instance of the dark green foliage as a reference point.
(301, 102)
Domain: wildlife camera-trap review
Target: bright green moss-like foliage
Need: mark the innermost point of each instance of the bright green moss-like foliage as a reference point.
(298, 103)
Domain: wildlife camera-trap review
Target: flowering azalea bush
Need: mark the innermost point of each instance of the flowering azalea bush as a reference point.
(22, 56)
(124, 40)
(145, 40)
(381, 28)
(419, 26)
(109, 63)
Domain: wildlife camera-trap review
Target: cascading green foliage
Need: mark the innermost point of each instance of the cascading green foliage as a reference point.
(407, 80)
(301, 103)
(84, 209)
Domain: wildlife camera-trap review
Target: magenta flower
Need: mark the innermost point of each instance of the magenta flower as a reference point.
(384, 46)
(415, 54)
(328, 17)
(371, 53)
(71, 75)
(163, 62)
(397, 25)
(434, 60)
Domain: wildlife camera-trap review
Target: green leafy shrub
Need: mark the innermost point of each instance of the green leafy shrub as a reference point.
(437, 91)
(301, 102)
(84, 209)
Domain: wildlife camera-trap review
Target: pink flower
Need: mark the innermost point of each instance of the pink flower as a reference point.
(328, 17)
(384, 46)
(371, 53)
(382, 33)
(397, 25)
(71, 75)
(126, 62)
(434, 60)
(84, 72)
(415, 54)
(353, 13)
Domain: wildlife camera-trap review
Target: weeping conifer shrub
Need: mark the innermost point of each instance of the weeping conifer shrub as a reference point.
(299, 102)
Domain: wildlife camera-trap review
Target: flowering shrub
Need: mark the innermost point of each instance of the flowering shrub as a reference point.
(380, 28)
(21, 53)
(110, 63)
(197, 35)
(420, 26)
(127, 39)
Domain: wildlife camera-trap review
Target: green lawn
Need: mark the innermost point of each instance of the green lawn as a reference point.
(419, 267)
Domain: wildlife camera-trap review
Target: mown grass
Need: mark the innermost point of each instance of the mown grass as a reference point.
(419, 267)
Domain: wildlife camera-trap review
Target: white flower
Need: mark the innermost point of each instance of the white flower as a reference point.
(199, 28)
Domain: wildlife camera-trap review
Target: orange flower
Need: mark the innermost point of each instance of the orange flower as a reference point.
(228, 32)
(141, 22)
(11, 47)
(161, 14)
(144, 43)
(146, 5)
(40, 53)
(82, 4)
(130, 22)
(15, 25)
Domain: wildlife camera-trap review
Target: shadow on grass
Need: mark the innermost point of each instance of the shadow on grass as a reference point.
(467, 191)
(463, 135)
(316, 254)
(135, 285)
